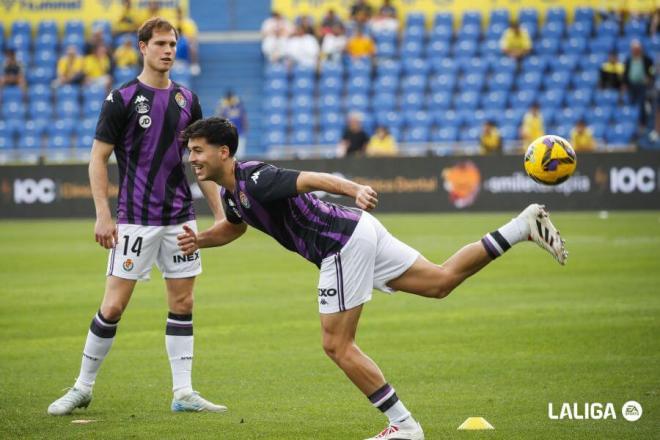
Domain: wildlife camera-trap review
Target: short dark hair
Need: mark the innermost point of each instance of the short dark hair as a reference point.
(217, 131)
(147, 29)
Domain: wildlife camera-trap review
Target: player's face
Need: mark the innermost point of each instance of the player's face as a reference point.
(206, 159)
(159, 51)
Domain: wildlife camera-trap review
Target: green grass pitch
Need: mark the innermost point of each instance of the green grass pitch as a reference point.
(520, 334)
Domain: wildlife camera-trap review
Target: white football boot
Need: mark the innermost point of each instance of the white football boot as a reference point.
(74, 398)
(398, 432)
(544, 233)
(196, 403)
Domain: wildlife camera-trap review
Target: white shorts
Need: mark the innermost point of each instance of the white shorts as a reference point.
(370, 259)
(139, 247)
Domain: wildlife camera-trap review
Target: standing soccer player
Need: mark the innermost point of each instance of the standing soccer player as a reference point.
(141, 122)
(353, 250)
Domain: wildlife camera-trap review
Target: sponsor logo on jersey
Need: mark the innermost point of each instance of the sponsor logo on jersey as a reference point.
(255, 176)
(128, 265)
(185, 258)
(180, 100)
(327, 292)
(244, 200)
(145, 121)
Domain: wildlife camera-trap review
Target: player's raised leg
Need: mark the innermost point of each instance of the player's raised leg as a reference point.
(437, 281)
(100, 337)
(179, 342)
(339, 344)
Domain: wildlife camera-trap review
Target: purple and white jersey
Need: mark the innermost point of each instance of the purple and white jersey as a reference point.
(144, 124)
(266, 198)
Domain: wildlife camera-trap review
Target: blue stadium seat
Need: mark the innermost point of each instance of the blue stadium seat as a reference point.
(76, 40)
(444, 65)
(40, 109)
(6, 142)
(384, 101)
(45, 58)
(500, 16)
(11, 94)
(592, 61)
(125, 74)
(275, 102)
(279, 71)
(276, 87)
(20, 43)
(390, 119)
(413, 83)
(303, 85)
(331, 84)
(472, 65)
(416, 66)
(357, 102)
(358, 84)
(275, 119)
(620, 133)
(86, 126)
(386, 50)
(302, 102)
(275, 137)
(534, 63)
(528, 15)
(329, 102)
(359, 67)
(582, 14)
(415, 33)
(416, 117)
(302, 136)
(580, 29)
(47, 27)
(635, 28)
(503, 64)
(547, 45)
(529, 81)
(302, 119)
(500, 81)
(491, 45)
(557, 15)
(439, 101)
(512, 116)
(21, 27)
(509, 132)
(627, 113)
(557, 80)
(415, 19)
(57, 142)
(472, 81)
(598, 130)
(74, 27)
(569, 115)
(68, 108)
(522, 98)
(331, 70)
(389, 67)
(29, 142)
(443, 19)
(13, 110)
(416, 134)
(443, 81)
(575, 45)
(566, 63)
(330, 119)
(599, 114)
(553, 29)
(608, 28)
(586, 79)
(495, 99)
(470, 134)
(465, 48)
(40, 75)
(495, 30)
(580, 97)
(330, 136)
(302, 71)
(601, 45)
(448, 118)
(46, 43)
(466, 100)
(386, 83)
(94, 93)
(469, 32)
(444, 134)
(471, 17)
(438, 49)
(412, 101)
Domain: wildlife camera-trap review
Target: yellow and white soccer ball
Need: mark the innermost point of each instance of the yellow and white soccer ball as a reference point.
(550, 160)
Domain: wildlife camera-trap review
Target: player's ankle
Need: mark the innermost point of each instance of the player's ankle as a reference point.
(182, 392)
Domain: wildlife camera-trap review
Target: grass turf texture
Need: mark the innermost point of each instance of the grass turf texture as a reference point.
(522, 333)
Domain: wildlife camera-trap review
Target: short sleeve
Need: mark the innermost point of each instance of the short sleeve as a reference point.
(195, 110)
(268, 183)
(112, 119)
(231, 211)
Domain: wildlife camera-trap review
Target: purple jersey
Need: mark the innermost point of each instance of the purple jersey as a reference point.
(266, 198)
(143, 124)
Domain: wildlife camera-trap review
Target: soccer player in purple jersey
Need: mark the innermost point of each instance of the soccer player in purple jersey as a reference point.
(141, 122)
(353, 250)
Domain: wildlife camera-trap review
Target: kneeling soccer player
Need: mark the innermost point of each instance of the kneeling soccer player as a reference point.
(354, 251)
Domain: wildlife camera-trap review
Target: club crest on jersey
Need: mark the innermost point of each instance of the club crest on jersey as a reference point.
(128, 265)
(145, 121)
(141, 104)
(244, 200)
(180, 100)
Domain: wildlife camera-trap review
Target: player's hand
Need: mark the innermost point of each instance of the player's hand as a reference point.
(187, 241)
(366, 198)
(105, 232)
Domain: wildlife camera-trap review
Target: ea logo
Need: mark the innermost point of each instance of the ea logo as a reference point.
(631, 411)
(145, 121)
(30, 191)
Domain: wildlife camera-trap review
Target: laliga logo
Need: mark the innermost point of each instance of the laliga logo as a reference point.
(631, 411)
(30, 191)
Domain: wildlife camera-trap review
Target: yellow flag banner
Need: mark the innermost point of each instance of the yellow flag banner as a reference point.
(318, 8)
(88, 11)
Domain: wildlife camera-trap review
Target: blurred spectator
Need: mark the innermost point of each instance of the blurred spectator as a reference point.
(126, 55)
(153, 9)
(129, 19)
(382, 143)
(354, 140)
(361, 12)
(388, 8)
(515, 41)
(360, 45)
(96, 67)
(231, 108)
(333, 45)
(532, 125)
(302, 48)
(385, 20)
(12, 72)
(276, 25)
(638, 78)
(274, 46)
(95, 40)
(611, 73)
(70, 68)
(654, 23)
(306, 23)
(582, 138)
(490, 139)
(188, 29)
(328, 23)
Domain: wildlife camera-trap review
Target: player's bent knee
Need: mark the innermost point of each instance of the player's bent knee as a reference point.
(112, 312)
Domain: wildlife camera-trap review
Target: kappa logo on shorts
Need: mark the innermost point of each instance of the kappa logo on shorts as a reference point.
(128, 265)
(244, 200)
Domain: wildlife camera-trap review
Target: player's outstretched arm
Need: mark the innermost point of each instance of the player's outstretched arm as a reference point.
(219, 234)
(211, 193)
(105, 230)
(365, 197)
